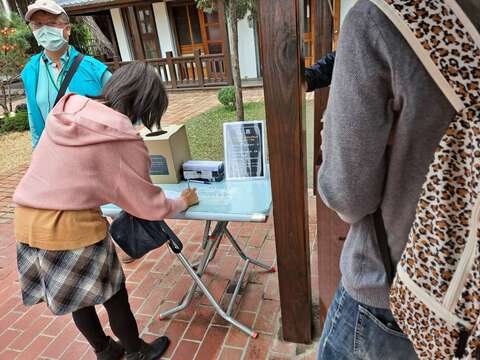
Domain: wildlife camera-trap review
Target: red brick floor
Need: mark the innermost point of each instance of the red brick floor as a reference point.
(154, 283)
(8, 182)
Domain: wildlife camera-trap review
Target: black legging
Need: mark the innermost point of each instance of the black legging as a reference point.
(121, 320)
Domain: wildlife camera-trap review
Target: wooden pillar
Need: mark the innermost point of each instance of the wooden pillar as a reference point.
(112, 36)
(323, 25)
(171, 69)
(116, 62)
(199, 66)
(331, 230)
(281, 33)
(136, 39)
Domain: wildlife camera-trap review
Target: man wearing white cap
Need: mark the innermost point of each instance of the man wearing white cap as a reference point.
(59, 64)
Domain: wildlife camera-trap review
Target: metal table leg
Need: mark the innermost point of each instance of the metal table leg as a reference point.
(244, 256)
(237, 288)
(210, 297)
(210, 245)
(206, 235)
(218, 233)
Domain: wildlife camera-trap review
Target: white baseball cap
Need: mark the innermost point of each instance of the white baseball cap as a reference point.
(48, 6)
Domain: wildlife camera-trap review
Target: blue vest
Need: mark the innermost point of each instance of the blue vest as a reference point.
(87, 81)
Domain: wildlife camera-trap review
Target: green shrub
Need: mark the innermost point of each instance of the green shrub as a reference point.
(19, 122)
(226, 96)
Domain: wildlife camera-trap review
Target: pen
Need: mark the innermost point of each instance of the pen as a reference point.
(200, 181)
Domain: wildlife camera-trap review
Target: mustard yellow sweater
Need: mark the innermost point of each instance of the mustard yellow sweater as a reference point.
(59, 229)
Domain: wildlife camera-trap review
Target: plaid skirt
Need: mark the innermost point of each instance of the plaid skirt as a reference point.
(69, 280)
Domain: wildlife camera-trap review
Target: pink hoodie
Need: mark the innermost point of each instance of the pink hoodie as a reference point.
(90, 155)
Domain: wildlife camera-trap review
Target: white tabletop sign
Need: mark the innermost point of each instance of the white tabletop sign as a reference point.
(244, 144)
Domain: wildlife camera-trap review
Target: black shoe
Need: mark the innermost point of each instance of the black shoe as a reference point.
(152, 351)
(114, 351)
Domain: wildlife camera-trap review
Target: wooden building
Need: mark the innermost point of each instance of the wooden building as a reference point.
(180, 39)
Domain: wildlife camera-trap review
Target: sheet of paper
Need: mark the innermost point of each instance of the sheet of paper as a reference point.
(244, 143)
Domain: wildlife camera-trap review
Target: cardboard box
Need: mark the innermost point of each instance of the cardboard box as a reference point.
(168, 150)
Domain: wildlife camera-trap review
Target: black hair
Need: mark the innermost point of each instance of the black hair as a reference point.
(136, 90)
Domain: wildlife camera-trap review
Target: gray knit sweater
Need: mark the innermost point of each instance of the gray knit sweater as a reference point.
(378, 85)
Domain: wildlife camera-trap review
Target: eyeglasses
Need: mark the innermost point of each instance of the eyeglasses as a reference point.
(37, 25)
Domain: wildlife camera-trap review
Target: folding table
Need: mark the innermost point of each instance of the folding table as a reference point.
(246, 201)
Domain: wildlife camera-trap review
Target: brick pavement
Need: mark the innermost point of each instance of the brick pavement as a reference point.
(187, 104)
(8, 182)
(158, 281)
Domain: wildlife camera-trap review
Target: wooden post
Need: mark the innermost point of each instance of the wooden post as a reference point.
(116, 63)
(281, 34)
(112, 36)
(171, 69)
(199, 66)
(323, 25)
(137, 40)
(331, 230)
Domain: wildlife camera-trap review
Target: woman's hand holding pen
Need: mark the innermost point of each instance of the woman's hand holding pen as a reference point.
(190, 196)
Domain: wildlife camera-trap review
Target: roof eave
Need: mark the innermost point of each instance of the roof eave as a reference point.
(95, 7)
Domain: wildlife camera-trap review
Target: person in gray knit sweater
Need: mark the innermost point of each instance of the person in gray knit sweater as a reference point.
(380, 95)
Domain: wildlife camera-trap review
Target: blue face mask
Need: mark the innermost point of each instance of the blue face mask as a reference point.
(50, 38)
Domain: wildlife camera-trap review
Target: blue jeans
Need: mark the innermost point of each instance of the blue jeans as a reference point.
(354, 331)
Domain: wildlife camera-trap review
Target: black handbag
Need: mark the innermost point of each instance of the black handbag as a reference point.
(137, 236)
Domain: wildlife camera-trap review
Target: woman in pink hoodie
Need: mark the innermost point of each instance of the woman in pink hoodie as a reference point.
(89, 155)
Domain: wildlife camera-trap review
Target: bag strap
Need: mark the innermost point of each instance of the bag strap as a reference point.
(382, 243)
(68, 78)
(417, 22)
